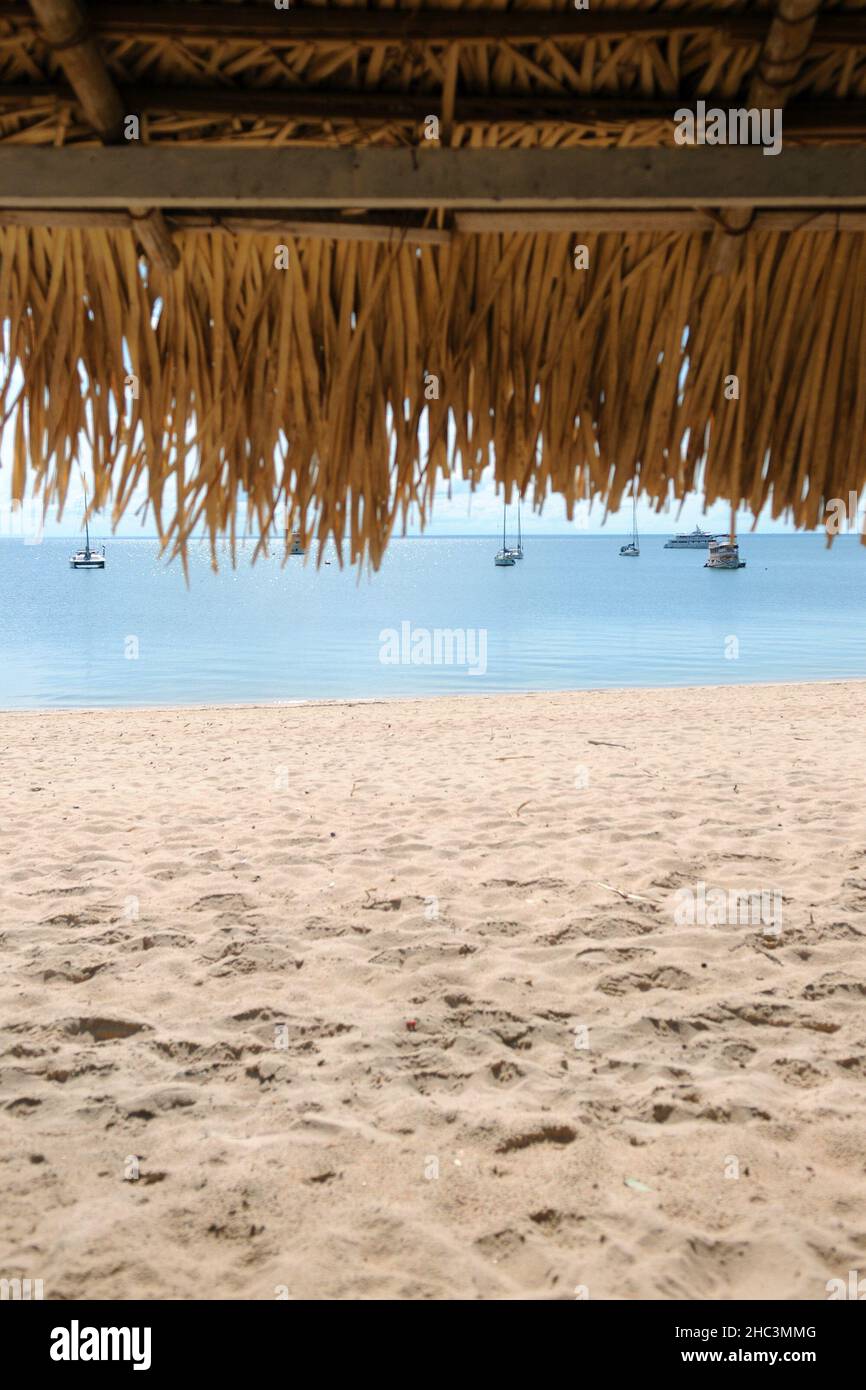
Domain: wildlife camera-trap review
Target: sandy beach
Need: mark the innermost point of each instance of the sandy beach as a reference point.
(394, 1000)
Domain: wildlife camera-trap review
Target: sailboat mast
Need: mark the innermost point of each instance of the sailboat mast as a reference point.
(519, 536)
(86, 527)
(503, 523)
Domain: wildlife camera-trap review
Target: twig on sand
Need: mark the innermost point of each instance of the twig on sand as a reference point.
(749, 941)
(602, 743)
(631, 897)
(770, 956)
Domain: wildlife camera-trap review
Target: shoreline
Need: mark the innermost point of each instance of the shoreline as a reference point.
(351, 700)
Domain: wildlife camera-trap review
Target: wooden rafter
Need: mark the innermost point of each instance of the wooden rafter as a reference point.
(827, 119)
(678, 220)
(784, 52)
(360, 26)
(323, 225)
(285, 177)
(65, 26)
(154, 237)
(781, 59)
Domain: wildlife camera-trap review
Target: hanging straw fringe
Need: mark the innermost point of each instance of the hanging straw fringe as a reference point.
(306, 396)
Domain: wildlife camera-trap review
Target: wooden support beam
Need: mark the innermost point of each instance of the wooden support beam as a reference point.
(827, 120)
(373, 106)
(468, 108)
(233, 178)
(781, 58)
(676, 220)
(154, 238)
(63, 218)
(726, 248)
(381, 105)
(327, 226)
(64, 26)
(321, 225)
(339, 26)
(316, 24)
(784, 52)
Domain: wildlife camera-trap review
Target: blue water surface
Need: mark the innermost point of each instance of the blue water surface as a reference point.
(572, 614)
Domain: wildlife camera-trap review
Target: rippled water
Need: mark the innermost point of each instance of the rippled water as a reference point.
(571, 615)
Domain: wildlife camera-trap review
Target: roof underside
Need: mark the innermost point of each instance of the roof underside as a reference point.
(249, 73)
(391, 344)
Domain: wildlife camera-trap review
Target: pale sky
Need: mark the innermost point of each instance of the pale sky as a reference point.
(460, 514)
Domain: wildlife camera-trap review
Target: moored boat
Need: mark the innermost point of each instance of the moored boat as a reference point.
(505, 557)
(87, 559)
(724, 555)
(515, 550)
(692, 540)
(633, 547)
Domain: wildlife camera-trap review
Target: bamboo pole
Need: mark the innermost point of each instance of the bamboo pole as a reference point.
(64, 24)
(784, 52)
(325, 226)
(263, 23)
(825, 120)
(781, 59)
(150, 227)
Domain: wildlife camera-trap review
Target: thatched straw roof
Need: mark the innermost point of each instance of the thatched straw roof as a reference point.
(391, 342)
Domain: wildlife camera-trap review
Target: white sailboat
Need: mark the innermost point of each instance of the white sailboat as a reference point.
(87, 559)
(504, 556)
(633, 546)
(516, 550)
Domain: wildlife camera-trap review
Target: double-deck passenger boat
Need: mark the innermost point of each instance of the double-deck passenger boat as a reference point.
(692, 540)
(724, 555)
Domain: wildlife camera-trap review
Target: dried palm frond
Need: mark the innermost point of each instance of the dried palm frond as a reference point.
(328, 393)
